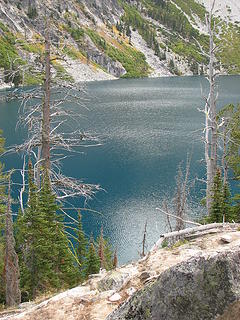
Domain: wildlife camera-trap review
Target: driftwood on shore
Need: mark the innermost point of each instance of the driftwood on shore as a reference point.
(190, 233)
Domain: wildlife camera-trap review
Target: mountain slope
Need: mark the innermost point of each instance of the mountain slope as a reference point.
(107, 39)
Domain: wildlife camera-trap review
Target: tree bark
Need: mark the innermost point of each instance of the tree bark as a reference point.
(46, 104)
(144, 240)
(211, 136)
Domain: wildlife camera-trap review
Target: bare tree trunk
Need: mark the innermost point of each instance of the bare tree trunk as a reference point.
(211, 136)
(13, 294)
(101, 250)
(46, 104)
(144, 240)
(165, 207)
(181, 196)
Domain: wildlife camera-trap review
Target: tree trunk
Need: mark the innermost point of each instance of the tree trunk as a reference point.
(13, 294)
(144, 240)
(46, 105)
(211, 136)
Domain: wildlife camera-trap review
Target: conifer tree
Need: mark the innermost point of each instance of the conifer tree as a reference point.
(221, 205)
(11, 266)
(93, 262)
(62, 259)
(105, 252)
(108, 253)
(46, 259)
(2, 221)
(81, 248)
(216, 208)
(115, 260)
(101, 252)
(227, 210)
(34, 231)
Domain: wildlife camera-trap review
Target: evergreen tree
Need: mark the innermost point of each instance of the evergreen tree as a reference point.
(11, 266)
(128, 31)
(101, 248)
(62, 258)
(2, 222)
(108, 253)
(105, 252)
(93, 262)
(234, 156)
(221, 206)
(115, 260)
(46, 259)
(34, 242)
(81, 248)
(230, 115)
(217, 204)
(227, 210)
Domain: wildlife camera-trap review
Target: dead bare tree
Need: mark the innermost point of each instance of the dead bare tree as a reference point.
(53, 129)
(45, 145)
(143, 253)
(211, 126)
(12, 274)
(210, 112)
(177, 208)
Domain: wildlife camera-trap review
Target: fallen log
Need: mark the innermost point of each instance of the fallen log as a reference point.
(172, 237)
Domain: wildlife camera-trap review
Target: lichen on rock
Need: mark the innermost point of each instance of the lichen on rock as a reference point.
(200, 288)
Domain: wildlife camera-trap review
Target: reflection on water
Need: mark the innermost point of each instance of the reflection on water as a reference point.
(147, 127)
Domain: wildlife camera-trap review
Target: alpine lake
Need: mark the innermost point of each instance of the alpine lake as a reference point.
(147, 127)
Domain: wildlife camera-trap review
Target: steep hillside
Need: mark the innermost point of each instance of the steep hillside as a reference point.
(108, 39)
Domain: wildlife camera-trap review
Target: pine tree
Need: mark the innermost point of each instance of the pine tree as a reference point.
(105, 252)
(227, 210)
(93, 262)
(234, 156)
(115, 260)
(2, 221)
(108, 255)
(46, 259)
(34, 243)
(230, 116)
(81, 248)
(221, 204)
(11, 266)
(62, 258)
(217, 199)
(101, 248)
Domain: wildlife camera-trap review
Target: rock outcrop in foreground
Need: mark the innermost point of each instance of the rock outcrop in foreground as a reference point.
(199, 288)
(197, 278)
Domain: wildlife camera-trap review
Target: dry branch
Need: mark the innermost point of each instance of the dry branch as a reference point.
(178, 218)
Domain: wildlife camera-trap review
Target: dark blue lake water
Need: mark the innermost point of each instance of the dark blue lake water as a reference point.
(147, 127)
